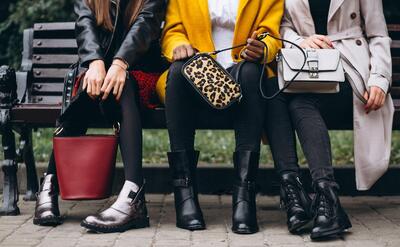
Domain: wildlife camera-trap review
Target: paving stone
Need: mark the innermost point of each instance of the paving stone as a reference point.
(376, 222)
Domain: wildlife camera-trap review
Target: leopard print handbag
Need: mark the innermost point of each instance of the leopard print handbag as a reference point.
(216, 85)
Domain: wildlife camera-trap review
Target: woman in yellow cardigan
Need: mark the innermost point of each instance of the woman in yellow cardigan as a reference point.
(202, 26)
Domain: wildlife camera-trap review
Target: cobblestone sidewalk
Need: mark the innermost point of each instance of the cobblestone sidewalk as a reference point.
(376, 222)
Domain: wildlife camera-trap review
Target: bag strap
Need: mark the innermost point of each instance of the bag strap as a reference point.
(358, 94)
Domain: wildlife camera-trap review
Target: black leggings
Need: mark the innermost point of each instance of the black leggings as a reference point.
(183, 103)
(304, 113)
(84, 110)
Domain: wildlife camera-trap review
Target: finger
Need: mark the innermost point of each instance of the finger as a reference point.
(371, 100)
(98, 87)
(108, 89)
(252, 54)
(255, 43)
(377, 101)
(85, 82)
(89, 88)
(120, 90)
(189, 50)
(322, 44)
(325, 39)
(254, 35)
(183, 53)
(318, 42)
(366, 95)
(383, 100)
(105, 84)
(259, 50)
(311, 44)
(115, 89)
(246, 57)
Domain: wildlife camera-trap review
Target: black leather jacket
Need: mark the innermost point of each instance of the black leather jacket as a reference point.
(138, 46)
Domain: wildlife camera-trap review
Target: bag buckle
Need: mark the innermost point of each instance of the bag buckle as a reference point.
(312, 62)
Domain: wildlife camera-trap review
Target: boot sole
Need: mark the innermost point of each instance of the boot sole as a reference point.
(245, 231)
(191, 228)
(331, 233)
(299, 227)
(131, 225)
(49, 221)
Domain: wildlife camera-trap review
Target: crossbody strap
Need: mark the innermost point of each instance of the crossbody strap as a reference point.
(358, 94)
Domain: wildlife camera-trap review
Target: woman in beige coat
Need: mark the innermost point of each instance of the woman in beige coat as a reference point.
(358, 30)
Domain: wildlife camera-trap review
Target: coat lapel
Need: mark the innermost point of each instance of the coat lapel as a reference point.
(203, 7)
(335, 5)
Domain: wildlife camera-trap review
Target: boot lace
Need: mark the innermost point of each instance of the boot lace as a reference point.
(293, 198)
(322, 206)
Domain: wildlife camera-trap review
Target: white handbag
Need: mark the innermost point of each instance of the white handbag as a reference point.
(322, 72)
(310, 71)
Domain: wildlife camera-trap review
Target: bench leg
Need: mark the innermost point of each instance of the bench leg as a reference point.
(9, 167)
(26, 149)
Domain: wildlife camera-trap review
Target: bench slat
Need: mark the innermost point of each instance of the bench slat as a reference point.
(54, 26)
(54, 59)
(49, 73)
(54, 43)
(42, 88)
(396, 44)
(46, 99)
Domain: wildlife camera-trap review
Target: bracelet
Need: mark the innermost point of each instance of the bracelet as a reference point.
(119, 66)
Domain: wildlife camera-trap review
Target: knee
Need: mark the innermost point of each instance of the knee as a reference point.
(250, 78)
(250, 72)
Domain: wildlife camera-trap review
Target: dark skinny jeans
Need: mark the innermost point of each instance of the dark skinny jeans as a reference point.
(303, 113)
(183, 103)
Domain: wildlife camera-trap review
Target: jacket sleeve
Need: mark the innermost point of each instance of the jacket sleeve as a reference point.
(145, 30)
(270, 23)
(288, 31)
(379, 44)
(174, 33)
(86, 32)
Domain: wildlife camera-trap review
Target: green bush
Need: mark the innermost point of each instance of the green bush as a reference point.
(23, 14)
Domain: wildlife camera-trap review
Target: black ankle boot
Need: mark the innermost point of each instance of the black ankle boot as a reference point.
(183, 165)
(128, 212)
(296, 201)
(330, 219)
(47, 212)
(244, 216)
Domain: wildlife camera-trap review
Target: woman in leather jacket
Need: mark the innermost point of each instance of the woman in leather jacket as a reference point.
(113, 37)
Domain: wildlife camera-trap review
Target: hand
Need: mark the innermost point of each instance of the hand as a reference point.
(375, 99)
(183, 51)
(115, 80)
(317, 42)
(94, 78)
(254, 51)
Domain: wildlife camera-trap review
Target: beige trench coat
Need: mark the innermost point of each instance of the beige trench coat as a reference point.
(358, 30)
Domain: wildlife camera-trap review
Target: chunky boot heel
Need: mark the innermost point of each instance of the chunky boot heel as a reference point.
(188, 213)
(47, 212)
(244, 215)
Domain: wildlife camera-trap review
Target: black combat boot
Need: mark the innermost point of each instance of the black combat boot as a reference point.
(330, 220)
(296, 201)
(183, 165)
(47, 212)
(244, 215)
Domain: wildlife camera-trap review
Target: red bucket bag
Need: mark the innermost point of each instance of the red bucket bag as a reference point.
(85, 165)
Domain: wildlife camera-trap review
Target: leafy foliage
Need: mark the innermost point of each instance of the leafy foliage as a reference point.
(22, 14)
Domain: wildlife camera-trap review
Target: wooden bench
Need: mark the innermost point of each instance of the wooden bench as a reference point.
(48, 50)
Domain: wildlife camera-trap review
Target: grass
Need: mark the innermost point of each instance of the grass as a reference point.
(217, 147)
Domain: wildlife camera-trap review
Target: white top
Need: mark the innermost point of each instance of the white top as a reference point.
(223, 20)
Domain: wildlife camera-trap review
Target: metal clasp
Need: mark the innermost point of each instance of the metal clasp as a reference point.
(312, 62)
